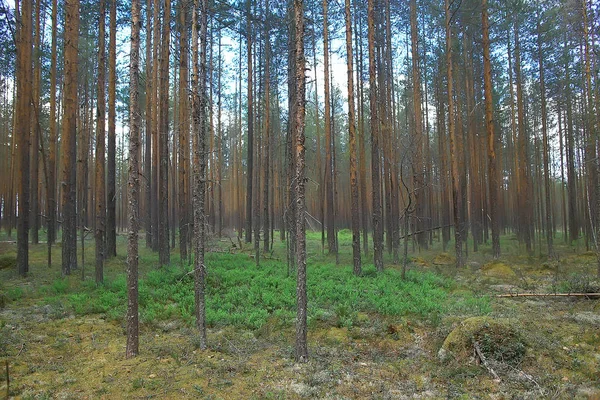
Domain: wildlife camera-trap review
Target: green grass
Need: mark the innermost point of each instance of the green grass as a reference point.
(243, 295)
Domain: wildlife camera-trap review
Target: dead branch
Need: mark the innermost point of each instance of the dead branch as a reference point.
(484, 362)
(586, 295)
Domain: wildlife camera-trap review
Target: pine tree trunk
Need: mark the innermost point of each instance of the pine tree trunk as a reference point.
(111, 167)
(23, 129)
(164, 253)
(250, 157)
(53, 139)
(34, 219)
(375, 158)
(549, 207)
(456, 187)
(418, 134)
(299, 184)
(199, 151)
(491, 139)
(148, 183)
(352, 142)
(68, 140)
(133, 186)
(267, 137)
(100, 149)
(183, 148)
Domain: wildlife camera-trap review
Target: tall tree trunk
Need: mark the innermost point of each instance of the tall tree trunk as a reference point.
(100, 148)
(111, 167)
(69, 135)
(547, 189)
(34, 219)
(148, 183)
(331, 243)
(52, 201)
(375, 159)
(133, 186)
(299, 155)
(267, 137)
(23, 127)
(199, 150)
(184, 150)
(456, 187)
(250, 160)
(417, 167)
(524, 190)
(491, 139)
(164, 253)
(352, 141)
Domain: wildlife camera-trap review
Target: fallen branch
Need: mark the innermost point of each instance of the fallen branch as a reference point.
(586, 295)
(7, 381)
(485, 363)
(427, 230)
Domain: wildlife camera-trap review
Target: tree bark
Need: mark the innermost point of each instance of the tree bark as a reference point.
(491, 142)
(133, 186)
(100, 149)
(199, 150)
(250, 174)
(352, 142)
(329, 187)
(184, 150)
(299, 154)
(148, 183)
(267, 137)
(23, 129)
(456, 187)
(69, 135)
(375, 158)
(164, 253)
(111, 165)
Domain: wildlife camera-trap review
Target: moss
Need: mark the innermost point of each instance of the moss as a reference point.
(444, 259)
(8, 261)
(496, 338)
(498, 269)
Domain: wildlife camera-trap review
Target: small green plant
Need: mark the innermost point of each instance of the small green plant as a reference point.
(60, 286)
(14, 293)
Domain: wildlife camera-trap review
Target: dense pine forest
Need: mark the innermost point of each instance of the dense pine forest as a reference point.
(277, 198)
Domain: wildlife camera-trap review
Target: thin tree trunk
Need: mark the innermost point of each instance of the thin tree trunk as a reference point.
(164, 253)
(133, 186)
(111, 167)
(417, 166)
(328, 140)
(148, 183)
(267, 137)
(199, 150)
(352, 141)
(35, 138)
(69, 135)
(250, 174)
(549, 207)
(184, 150)
(375, 159)
(52, 201)
(299, 154)
(491, 142)
(100, 149)
(456, 187)
(23, 127)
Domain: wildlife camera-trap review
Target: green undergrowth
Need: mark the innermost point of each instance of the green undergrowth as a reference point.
(243, 295)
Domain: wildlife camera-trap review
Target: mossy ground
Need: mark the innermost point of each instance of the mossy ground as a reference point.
(64, 338)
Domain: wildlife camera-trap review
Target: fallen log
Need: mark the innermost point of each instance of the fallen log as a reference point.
(587, 295)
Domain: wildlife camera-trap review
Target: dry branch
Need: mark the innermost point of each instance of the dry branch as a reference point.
(484, 361)
(586, 295)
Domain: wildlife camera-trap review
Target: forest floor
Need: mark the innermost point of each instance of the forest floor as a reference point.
(373, 337)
